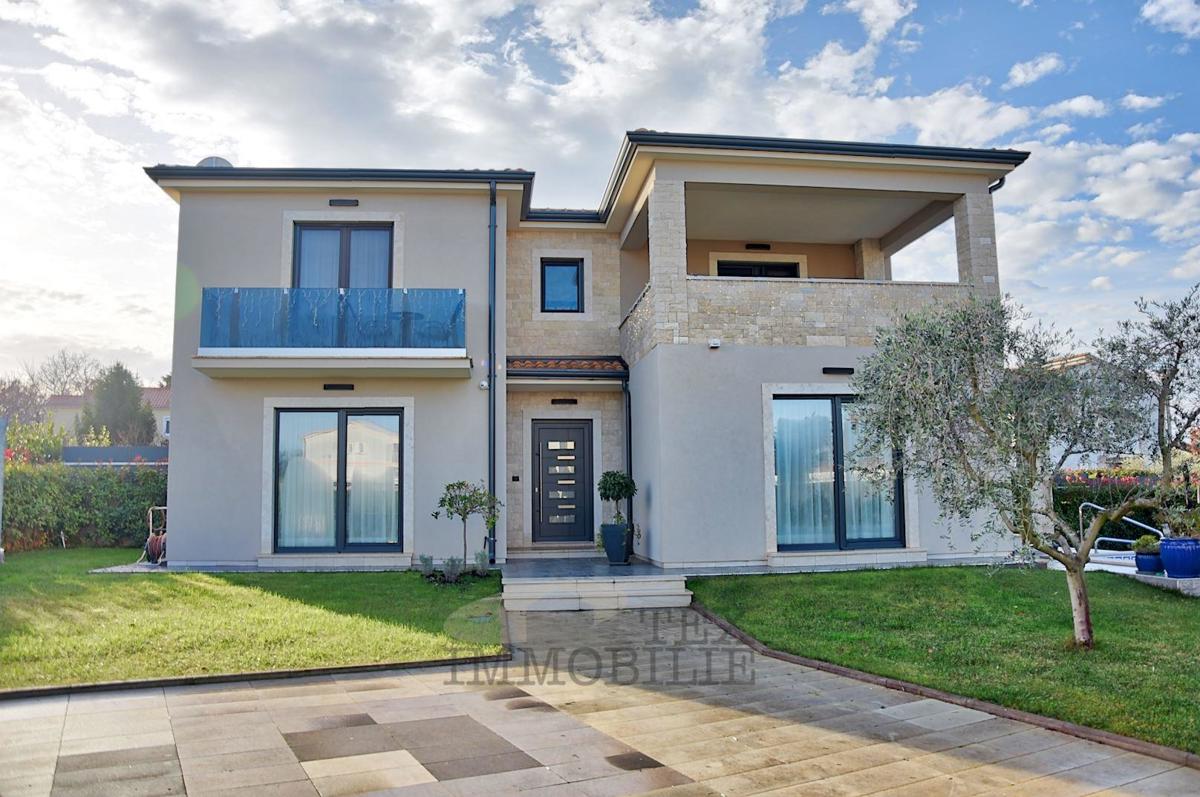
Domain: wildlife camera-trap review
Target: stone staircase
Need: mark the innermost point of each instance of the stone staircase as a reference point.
(589, 584)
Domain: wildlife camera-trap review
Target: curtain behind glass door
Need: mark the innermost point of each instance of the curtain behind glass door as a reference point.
(319, 258)
(370, 257)
(307, 479)
(804, 475)
(870, 509)
(372, 479)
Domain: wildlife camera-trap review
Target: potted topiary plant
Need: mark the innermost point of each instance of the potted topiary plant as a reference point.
(616, 486)
(1145, 553)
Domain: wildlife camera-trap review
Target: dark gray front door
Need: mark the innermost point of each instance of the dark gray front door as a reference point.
(562, 481)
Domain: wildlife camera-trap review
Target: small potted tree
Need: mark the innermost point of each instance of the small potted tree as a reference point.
(616, 486)
(1145, 553)
(461, 500)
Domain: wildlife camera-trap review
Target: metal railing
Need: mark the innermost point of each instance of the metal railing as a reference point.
(1129, 520)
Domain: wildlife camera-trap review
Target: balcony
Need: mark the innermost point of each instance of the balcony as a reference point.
(247, 332)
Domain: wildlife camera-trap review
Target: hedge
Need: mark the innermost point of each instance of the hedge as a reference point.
(1067, 499)
(96, 506)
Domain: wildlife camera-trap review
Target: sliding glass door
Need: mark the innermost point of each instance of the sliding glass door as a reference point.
(820, 503)
(338, 476)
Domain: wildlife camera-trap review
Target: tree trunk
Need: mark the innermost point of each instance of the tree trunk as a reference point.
(1081, 610)
(464, 543)
(1164, 440)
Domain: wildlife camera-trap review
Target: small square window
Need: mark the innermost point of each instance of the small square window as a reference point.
(562, 286)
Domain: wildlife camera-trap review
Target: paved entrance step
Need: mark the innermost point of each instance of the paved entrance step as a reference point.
(559, 594)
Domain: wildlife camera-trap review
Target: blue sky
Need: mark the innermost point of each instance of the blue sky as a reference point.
(1102, 94)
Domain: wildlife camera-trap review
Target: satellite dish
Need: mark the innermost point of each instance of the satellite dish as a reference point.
(214, 162)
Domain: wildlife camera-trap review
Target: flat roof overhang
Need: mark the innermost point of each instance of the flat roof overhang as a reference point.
(174, 179)
(252, 363)
(636, 156)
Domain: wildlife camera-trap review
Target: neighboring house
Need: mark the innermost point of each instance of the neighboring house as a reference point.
(64, 410)
(1098, 459)
(365, 336)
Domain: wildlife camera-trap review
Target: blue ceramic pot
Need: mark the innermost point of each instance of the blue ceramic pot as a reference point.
(613, 537)
(1180, 557)
(1148, 563)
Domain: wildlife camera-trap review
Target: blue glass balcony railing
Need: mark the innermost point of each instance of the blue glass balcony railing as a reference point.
(333, 318)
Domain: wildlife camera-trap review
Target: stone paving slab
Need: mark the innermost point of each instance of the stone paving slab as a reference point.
(594, 703)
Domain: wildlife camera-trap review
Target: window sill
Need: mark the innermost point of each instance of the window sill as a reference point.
(853, 557)
(353, 560)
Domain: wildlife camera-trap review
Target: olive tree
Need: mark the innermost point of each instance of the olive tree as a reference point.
(970, 395)
(1157, 356)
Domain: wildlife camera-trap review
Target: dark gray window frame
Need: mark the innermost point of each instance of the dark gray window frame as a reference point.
(345, 229)
(840, 543)
(341, 507)
(758, 268)
(577, 262)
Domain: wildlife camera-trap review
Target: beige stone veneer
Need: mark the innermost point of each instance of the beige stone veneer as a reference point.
(594, 332)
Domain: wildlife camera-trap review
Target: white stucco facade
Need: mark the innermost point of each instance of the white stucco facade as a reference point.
(672, 363)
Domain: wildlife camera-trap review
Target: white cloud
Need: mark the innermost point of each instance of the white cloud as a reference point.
(878, 17)
(1094, 230)
(1118, 256)
(1189, 265)
(1055, 131)
(1176, 16)
(1140, 102)
(1083, 105)
(1101, 284)
(1033, 70)
(1145, 129)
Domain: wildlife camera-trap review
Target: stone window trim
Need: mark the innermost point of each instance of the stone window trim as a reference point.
(292, 217)
(757, 257)
(833, 387)
(582, 255)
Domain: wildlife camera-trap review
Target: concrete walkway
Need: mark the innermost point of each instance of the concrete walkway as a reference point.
(594, 704)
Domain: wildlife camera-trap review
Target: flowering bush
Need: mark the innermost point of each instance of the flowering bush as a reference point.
(34, 442)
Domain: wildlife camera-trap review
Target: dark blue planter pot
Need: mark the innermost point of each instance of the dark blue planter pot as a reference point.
(613, 537)
(1148, 563)
(1181, 557)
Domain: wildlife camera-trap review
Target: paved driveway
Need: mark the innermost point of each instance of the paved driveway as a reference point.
(595, 703)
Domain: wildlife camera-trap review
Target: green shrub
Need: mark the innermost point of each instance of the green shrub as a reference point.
(1067, 499)
(1147, 544)
(95, 506)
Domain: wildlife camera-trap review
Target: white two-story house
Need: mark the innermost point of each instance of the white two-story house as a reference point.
(347, 341)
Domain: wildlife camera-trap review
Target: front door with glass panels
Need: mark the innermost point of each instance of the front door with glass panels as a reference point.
(820, 501)
(338, 477)
(562, 481)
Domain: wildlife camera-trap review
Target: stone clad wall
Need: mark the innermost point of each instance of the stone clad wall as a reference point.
(638, 333)
(592, 333)
(782, 312)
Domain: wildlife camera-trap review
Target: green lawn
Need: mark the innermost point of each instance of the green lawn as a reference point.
(59, 624)
(996, 635)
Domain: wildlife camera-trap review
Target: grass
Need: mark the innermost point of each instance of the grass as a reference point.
(61, 625)
(1001, 636)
